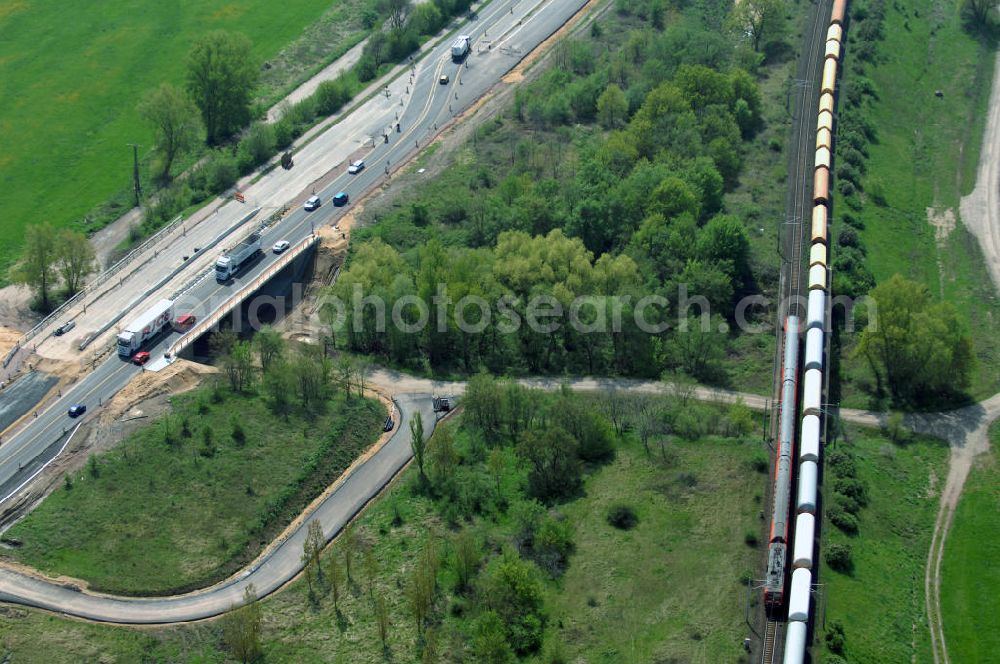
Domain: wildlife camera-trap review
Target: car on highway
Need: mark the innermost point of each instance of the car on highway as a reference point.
(444, 79)
(140, 358)
(356, 167)
(389, 424)
(340, 199)
(312, 203)
(187, 320)
(280, 246)
(64, 328)
(77, 409)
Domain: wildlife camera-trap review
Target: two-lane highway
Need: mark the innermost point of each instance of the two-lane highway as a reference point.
(501, 35)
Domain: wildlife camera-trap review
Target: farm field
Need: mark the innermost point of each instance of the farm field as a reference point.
(970, 594)
(925, 157)
(880, 602)
(72, 75)
(155, 516)
(625, 595)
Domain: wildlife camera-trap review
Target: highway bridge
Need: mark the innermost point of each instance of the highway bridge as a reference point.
(421, 113)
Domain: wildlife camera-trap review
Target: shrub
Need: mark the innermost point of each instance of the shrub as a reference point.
(759, 463)
(623, 517)
(331, 96)
(841, 463)
(750, 538)
(852, 488)
(835, 637)
(848, 237)
(843, 519)
(239, 435)
(257, 147)
(838, 557)
(552, 545)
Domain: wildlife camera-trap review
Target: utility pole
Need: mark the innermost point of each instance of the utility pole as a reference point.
(136, 186)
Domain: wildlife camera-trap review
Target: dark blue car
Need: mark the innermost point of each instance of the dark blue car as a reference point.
(77, 409)
(340, 199)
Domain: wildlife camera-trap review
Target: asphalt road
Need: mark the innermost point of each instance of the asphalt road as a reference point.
(276, 567)
(501, 35)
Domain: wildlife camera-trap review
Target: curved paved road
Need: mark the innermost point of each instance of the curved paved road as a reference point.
(964, 429)
(278, 565)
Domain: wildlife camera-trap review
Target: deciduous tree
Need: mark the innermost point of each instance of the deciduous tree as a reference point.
(174, 119)
(38, 268)
(221, 75)
(417, 442)
(76, 259)
(241, 628)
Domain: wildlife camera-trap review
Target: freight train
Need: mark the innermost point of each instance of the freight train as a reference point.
(803, 548)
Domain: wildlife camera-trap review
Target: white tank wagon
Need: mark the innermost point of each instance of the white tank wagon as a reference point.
(809, 445)
(805, 531)
(808, 474)
(814, 349)
(795, 642)
(812, 392)
(798, 602)
(816, 312)
(817, 277)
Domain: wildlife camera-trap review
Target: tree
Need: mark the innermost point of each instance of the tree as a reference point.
(270, 347)
(336, 577)
(555, 471)
(917, 347)
(371, 569)
(174, 119)
(979, 15)
(38, 268)
(496, 464)
(761, 21)
(423, 584)
(349, 542)
(312, 547)
(612, 107)
(489, 641)
(513, 590)
(382, 620)
(483, 405)
(417, 442)
(221, 75)
(238, 365)
(442, 453)
(698, 348)
(241, 628)
(76, 259)
(838, 557)
(397, 11)
(466, 558)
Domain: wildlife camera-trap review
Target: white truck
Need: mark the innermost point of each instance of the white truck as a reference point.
(460, 48)
(145, 327)
(229, 264)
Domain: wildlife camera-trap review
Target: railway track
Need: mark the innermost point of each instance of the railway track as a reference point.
(769, 652)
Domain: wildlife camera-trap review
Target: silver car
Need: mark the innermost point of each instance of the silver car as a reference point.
(313, 203)
(356, 167)
(280, 246)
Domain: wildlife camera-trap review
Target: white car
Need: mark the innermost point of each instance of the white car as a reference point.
(313, 203)
(356, 167)
(281, 246)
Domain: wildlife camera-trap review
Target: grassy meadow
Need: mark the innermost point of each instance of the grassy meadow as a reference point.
(970, 591)
(154, 517)
(880, 602)
(72, 75)
(672, 586)
(924, 157)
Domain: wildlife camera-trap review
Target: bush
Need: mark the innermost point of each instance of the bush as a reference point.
(331, 96)
(623, 517)
(759, 463)
(553, 544)
(843, 519)
(239, 435)
(835, 637)
(848, 237)
(841, 463)
(838, 557)
(284, 133)
(257, 147)
(852, 488)
(750, 538)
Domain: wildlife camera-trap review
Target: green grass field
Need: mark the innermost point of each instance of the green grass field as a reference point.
(627, 596)
(926, 156)
(970, 591)
(72, 76)
(160, 518)
(881, 604)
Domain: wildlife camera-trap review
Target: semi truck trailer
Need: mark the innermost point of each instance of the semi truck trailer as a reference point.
(460, 48)
(145, 327)
(231, 262)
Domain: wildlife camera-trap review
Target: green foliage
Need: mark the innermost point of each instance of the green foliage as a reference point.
(918, 348)
(512, 590)
(555, 471)
(221, 76)
(623, 517)
(838, 557)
